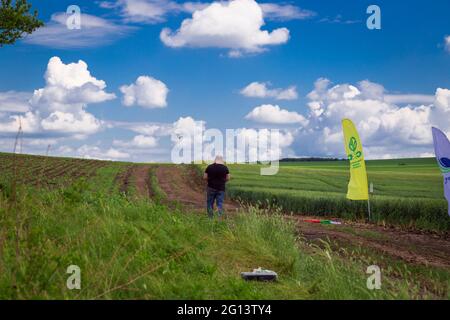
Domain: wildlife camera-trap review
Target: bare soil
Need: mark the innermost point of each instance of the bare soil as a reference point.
(141, 178)
(412, 247)
(182, 185)
(124, 179)
(137, 175)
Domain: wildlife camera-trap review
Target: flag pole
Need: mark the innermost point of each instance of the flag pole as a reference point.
(368, 199)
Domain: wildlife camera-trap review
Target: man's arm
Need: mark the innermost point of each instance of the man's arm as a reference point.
(228, 177)
(205, 174)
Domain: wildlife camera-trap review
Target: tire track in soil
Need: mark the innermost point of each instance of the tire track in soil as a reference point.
(124, 178)
(140, 176)
(182, 185)
(411, 246)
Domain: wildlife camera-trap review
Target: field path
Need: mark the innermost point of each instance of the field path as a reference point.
(139, 176)
(413, 247)
(182, 185)
(142, 180)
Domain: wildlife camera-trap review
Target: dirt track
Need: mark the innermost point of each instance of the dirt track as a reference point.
(139, 175)
(183, 186)
(412, 247)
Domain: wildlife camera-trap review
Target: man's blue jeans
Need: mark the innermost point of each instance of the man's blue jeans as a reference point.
(213, 195)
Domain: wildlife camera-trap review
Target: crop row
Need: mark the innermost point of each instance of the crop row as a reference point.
(416, 213)
(45, 171)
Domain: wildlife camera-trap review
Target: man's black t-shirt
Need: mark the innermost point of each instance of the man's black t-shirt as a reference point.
(217, 175)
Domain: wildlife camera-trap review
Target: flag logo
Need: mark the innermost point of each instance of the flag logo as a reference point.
(357, 186)
(353, 144)
(444, 164)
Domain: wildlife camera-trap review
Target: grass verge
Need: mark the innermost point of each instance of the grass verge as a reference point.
(137, 249)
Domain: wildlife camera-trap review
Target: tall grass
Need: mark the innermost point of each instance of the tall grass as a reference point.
(157, 192)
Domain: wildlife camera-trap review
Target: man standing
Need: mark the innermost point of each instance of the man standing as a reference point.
(217, 175)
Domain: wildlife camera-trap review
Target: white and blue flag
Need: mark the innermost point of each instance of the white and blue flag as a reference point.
(442, 151)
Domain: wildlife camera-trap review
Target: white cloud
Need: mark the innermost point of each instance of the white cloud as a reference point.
(254, 138)
(80, 123)
(139, 141)
(116, 154)
(186, 127)
(146, 92)
(45, 142)
(260, 90)
(29, 122)
(186, 134)
(183, 133)
(441, 111)
(273, 114)
(409, 98)
(28, 145)
(107, 4)
(59, 108)
(235, 25)
(151, 11)
(146, 11)
(192, 6)
(69, 87)
(386, 129)
(370, 90)
(12, 101)
(157, 11)
(94, 152)
(142, 141)
(156, 129)
(153, 139)
(339, 19)
(284, 12)
(447, 43)
(64, 150)
(148, 129)
(94, 32)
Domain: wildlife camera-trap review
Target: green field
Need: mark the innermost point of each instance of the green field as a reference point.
(408, 192)
(57, 212)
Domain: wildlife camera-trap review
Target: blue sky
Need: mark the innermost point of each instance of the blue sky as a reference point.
(392, 82)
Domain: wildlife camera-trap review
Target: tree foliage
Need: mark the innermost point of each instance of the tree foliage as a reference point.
(16, 20)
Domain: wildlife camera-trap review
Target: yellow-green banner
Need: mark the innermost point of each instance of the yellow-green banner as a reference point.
(357, 187)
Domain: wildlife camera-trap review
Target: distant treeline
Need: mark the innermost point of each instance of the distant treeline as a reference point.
(309, 159)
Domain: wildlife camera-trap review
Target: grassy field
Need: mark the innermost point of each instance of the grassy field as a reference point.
(129, 247)
(407, 192)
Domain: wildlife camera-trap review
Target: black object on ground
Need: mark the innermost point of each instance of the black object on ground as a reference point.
(260, 275)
